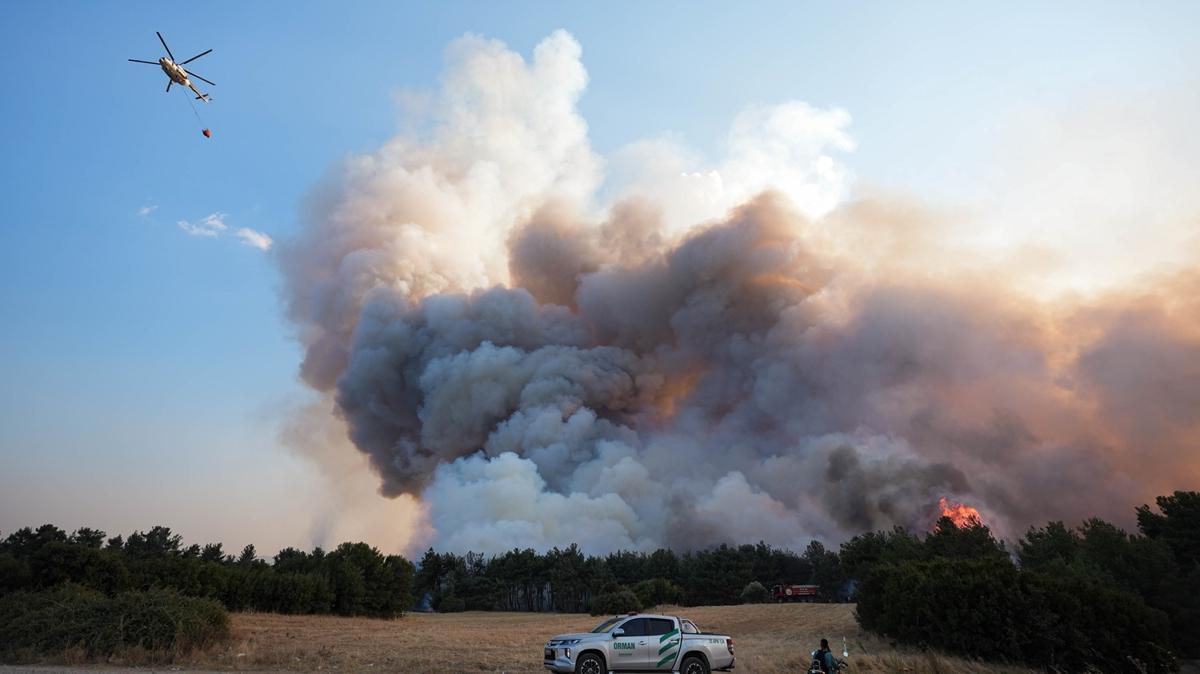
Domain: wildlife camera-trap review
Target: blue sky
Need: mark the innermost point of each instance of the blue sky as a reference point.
(145, 371)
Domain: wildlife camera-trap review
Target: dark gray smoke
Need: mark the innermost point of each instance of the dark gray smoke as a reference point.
(543, 371)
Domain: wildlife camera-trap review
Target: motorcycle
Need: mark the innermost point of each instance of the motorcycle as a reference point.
(817, 667)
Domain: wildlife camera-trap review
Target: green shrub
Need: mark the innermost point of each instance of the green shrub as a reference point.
(1091, 625)
(71, 617)
(989, 609)
(754, 593)
(612, 603)
(657, 591)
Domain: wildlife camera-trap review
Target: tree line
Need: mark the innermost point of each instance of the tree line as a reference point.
(1091, 598)
(1060, 597)
(564, 579)
(352, 579)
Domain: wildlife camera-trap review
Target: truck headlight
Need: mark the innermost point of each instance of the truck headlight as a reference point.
(570, 642)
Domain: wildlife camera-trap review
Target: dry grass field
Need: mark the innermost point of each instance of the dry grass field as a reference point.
(769, 639)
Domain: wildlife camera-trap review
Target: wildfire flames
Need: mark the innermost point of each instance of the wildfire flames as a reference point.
(961, 514)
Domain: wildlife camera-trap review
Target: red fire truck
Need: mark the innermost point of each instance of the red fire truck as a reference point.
(795, 592)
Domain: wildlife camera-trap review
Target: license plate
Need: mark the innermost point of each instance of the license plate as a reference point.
(549, 653)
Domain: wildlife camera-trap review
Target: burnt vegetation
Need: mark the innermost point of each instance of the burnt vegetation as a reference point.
(1093, 597)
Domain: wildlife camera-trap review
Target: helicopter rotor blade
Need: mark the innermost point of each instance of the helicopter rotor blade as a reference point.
(199, 77)
(195, 57)
(160, 39)
(169, 83)
(153, 63)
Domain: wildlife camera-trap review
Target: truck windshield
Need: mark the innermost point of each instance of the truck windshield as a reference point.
(607, 625)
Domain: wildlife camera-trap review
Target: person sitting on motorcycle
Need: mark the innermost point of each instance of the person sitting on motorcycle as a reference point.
(823, 660)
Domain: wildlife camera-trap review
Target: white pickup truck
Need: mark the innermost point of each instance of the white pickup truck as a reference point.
(640, 643)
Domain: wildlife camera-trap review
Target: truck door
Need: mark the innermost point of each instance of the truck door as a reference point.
(628, 650)
(662, 647)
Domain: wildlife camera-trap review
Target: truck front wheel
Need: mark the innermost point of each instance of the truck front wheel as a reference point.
(590, 663)
(693, 664)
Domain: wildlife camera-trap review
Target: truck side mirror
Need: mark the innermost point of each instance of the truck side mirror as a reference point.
(618, 633)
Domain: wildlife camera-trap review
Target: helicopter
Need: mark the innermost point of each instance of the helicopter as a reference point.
(176, 73)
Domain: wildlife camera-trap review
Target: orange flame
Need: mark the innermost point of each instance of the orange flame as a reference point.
(961, 514)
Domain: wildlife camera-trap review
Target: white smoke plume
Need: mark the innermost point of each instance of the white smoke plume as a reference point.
(682, 355)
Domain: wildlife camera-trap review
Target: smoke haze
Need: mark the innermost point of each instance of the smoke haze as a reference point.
(546, 347)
